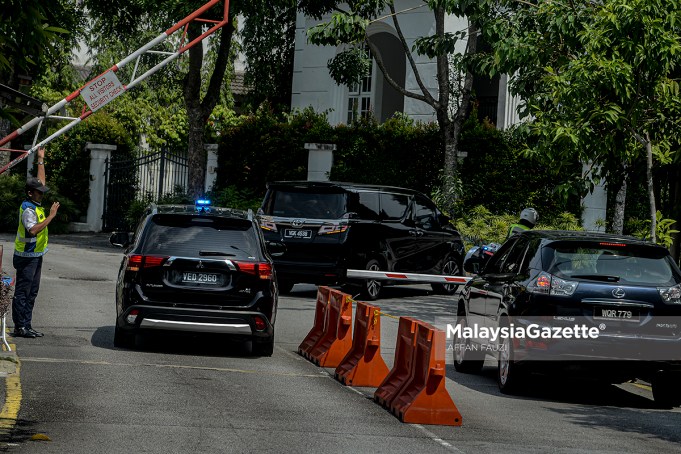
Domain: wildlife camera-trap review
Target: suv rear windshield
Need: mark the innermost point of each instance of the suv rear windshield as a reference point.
(633, 264)
(316, 205)
(196, 236)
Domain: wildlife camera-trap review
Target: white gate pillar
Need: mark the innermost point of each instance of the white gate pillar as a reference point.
(594, 206)
(211, 165)
(99, 153)
(319, 160)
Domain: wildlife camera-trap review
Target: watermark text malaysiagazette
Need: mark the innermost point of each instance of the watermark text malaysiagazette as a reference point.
(531, 331)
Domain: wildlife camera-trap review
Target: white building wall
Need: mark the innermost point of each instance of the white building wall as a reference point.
(313, 86)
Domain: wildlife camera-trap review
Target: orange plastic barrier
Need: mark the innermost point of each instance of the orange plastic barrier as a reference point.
(319, 318)
(402, 366)
(364, 365)
(336, 341)
(423, 399)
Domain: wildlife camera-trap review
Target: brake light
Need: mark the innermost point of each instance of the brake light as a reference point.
(260, 269)
(612, 244)
(136, 261)
(332, 228)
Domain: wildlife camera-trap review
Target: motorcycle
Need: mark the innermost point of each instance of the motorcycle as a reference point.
(477, 257)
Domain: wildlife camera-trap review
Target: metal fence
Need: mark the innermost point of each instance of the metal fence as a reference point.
(146, 178)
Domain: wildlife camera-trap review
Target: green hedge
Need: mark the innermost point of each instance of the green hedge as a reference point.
(68, 161)
(265, 147)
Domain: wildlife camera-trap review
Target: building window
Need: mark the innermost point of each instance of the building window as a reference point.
(360, 97)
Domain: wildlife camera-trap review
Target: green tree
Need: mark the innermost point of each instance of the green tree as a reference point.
(267, 40)
(599, 80)
(348, 25)
(202, 77)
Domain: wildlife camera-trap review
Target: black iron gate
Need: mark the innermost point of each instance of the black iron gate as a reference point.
(147, 178)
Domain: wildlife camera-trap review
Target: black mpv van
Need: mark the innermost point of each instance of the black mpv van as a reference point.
(330, 227)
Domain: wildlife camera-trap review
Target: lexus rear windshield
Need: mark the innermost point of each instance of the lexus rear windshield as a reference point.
(195, 236)
(310, 205)
(611, 262)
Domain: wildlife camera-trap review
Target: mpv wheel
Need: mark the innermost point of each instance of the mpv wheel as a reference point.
(450, 268)
(285, 287)
(371, 288)
(466, 360)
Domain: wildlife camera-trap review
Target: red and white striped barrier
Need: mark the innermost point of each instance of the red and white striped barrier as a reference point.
(408, 277)
(108, 78)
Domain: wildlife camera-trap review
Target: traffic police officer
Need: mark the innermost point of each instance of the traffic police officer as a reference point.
(29, 247)
(528, 219)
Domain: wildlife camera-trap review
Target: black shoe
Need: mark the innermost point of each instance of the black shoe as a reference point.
(35, 333)
(23, 332)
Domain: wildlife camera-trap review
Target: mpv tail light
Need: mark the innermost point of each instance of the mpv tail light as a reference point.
(268, 225)
(549, 284)
(136, 261)
(331, 229)
(671, 295)
(262, 270)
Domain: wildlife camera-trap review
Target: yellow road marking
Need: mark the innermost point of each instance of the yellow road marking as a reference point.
(642, 386)
(10, 410)
(170, 366)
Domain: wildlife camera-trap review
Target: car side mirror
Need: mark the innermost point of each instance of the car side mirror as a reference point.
(276, 248)
(120, 239)
(443, 219)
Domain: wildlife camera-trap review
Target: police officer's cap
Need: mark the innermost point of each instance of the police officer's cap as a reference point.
(34, 184)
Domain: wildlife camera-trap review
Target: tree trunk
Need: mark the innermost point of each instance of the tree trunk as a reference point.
(198, 110)
(451, 129)
(651, 189)
(675, 203)
(620, 202)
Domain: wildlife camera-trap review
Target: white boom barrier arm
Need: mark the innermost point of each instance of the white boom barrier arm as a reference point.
(408, 277)
(110, 73)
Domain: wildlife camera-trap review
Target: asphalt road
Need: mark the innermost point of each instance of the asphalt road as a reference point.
(79, 394)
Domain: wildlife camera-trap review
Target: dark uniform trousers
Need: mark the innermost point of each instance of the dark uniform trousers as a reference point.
(26, 289)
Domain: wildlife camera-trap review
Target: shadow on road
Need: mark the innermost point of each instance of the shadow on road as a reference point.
(190, 344)
(553, 387)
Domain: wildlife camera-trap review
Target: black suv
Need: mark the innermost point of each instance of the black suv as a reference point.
(330, 227)
(197, 269)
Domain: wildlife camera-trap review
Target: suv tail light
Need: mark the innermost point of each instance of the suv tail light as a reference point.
(549, 284)
(260, 269)
(136, 261)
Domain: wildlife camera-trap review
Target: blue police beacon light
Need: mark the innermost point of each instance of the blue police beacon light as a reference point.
(202, 205)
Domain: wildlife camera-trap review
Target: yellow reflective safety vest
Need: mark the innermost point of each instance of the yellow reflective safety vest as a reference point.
(25, 244)
(516, 228)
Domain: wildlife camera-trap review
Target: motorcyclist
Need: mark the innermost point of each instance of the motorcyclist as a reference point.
(528, 219)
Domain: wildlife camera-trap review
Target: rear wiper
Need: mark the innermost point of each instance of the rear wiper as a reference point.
(597, 277)
(215, 253)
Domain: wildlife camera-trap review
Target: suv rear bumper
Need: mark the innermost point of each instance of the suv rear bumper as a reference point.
(237, 323)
